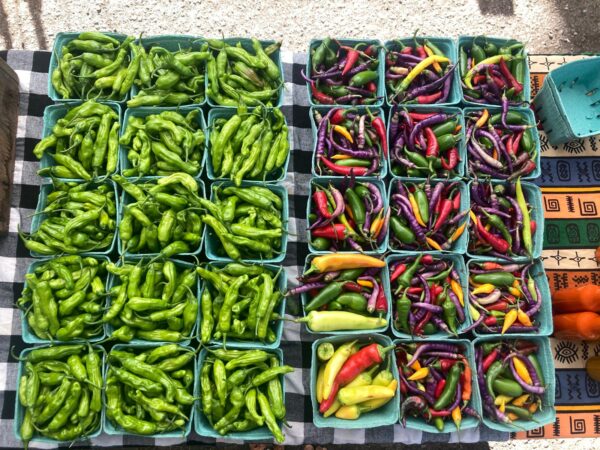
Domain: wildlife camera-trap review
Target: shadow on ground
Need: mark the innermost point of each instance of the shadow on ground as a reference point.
(581, 19)
(429, 446)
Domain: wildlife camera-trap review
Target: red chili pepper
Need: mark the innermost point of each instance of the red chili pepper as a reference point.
(433, 148)
(499, 81)
(510, 77)
(436, 413)
(320, 96)
(509, 145)
(516, 142)
(381, 305)
(528, 168)
(331, 231)
(407, 51)
(446, 364)
(452, 155)
(445, 211)
(489, 359)
(399, 270)
(511, 299)
(320, 199)
(498, 306)
(478, 79)
(370, 50)
(436, 290)
(490, 321)
(533, 226)
(379, 126)
(497, 243)
(351, 59)
(420, 116)
(421, 53)
(489, 265)
(313, 292)
(403, 387)
(414, 290)
(371, 86)
(439, 388)
(338, 116)
(431, 98)
(456, 201)
(343, 170)
(419, 326)
(352, 286)
(427, 259)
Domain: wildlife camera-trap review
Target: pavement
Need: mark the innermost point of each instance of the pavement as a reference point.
(547, 26)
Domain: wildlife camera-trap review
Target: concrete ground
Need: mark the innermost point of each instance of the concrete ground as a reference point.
(548, 26)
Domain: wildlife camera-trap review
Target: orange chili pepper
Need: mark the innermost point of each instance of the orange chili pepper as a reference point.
(483, 119)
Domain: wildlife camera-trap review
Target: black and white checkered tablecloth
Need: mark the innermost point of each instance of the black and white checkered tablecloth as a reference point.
(32, 69)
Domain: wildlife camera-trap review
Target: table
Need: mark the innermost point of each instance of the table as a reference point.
(570, 183)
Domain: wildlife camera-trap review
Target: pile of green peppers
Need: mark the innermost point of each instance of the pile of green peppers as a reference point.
(238, 77)
(95, 65)
(83, 144)
(153, 301)
(164, 143)
(241, 390)
(249, 146)
(162, 218)
(246, 220)
(61, 392)
(237, 302)
(169, 77)
(63, 298)
(149, 390)
(78, 217)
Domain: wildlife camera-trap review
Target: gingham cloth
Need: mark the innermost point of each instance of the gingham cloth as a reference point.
(32, 69)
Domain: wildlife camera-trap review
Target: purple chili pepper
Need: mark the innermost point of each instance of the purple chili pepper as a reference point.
(305, 288)
(430, 121)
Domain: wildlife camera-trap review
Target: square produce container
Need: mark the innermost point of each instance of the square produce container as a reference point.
(460, 245)
(246, 44)
(29, 337)
(213, 243)
(384, 276)
(39, 217)
(145, 111)
(116, 430)
(567, 104)
(499, 42)
(338, 183)
(20, 410)
(417, 423)
(530, 120)
(383, 165)
(126, 199)
(60, 41)
(533, 195)
(546, 414)
(203, 427)
(386, 415)
(449, 48)
(544, 315)
(462, 146)
(275, 175)
(173, 43)
(55, 112)
(459, 265)
(350, 42)
(281, 285)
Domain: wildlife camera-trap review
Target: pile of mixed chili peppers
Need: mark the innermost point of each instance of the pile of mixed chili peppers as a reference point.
(501, 145)
(501, 223)
(61, 392)
(489, 73)
(504, 298)
(341, 298)
(353, 217)
(426, 216)
(425, 144)
(355, 379)
(343, 75)
(427, 295)
(350, 142)
(241, 390)
(164, 143)
(63, 298)
(238, 302)
(420, 74)
(149, 389)
(510, 380)
(435, 382)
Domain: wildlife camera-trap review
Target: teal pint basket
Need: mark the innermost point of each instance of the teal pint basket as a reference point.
(533, 195)
(546, 414)
(20, 411)
(55, 112)
(275, 175)
(499, 42)
(281, 286)
(115, 430)
(350, 42)
(386, 415)
(567, 104)
(145, 111)
(61, 40)
(462, 146)
(460, 245)
(338, 182)
(417, 423)
(29, 337)
(449, 48)
(459, 265)
(384, 276)
(213, 245)
(246, 44)
(203, 427)
(383, 165)
(530, 120)
(172, 42)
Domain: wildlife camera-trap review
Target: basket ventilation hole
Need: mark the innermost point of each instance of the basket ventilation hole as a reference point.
(596, 103)
(549, 131)
(591, 92)
(574, 81)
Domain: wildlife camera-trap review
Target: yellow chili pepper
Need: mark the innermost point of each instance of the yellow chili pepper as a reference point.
(483, 119)
(353, 412)
(459, 231)
(495, 153)
(502, 407)
(500, 399)
(522, 370)
(520, 401)
(457, 417)
(423, 372)
(416, 365)
(509, 319)
(473, 217)
(436, 65)
(341, 261)
(415, 207)
(524, 318)
(420, 68)
(533, 407)
(457, 289)
(484, 289)
(344, 221)
(340, 156)
(433, 244)
(335, 363)
(354, 395)
(512, 417)
(319, 384)
(365, 283)
(515, 292)
(491, 60)
(364, 379)
(474, 312)
(376, 225)
(344, 132)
